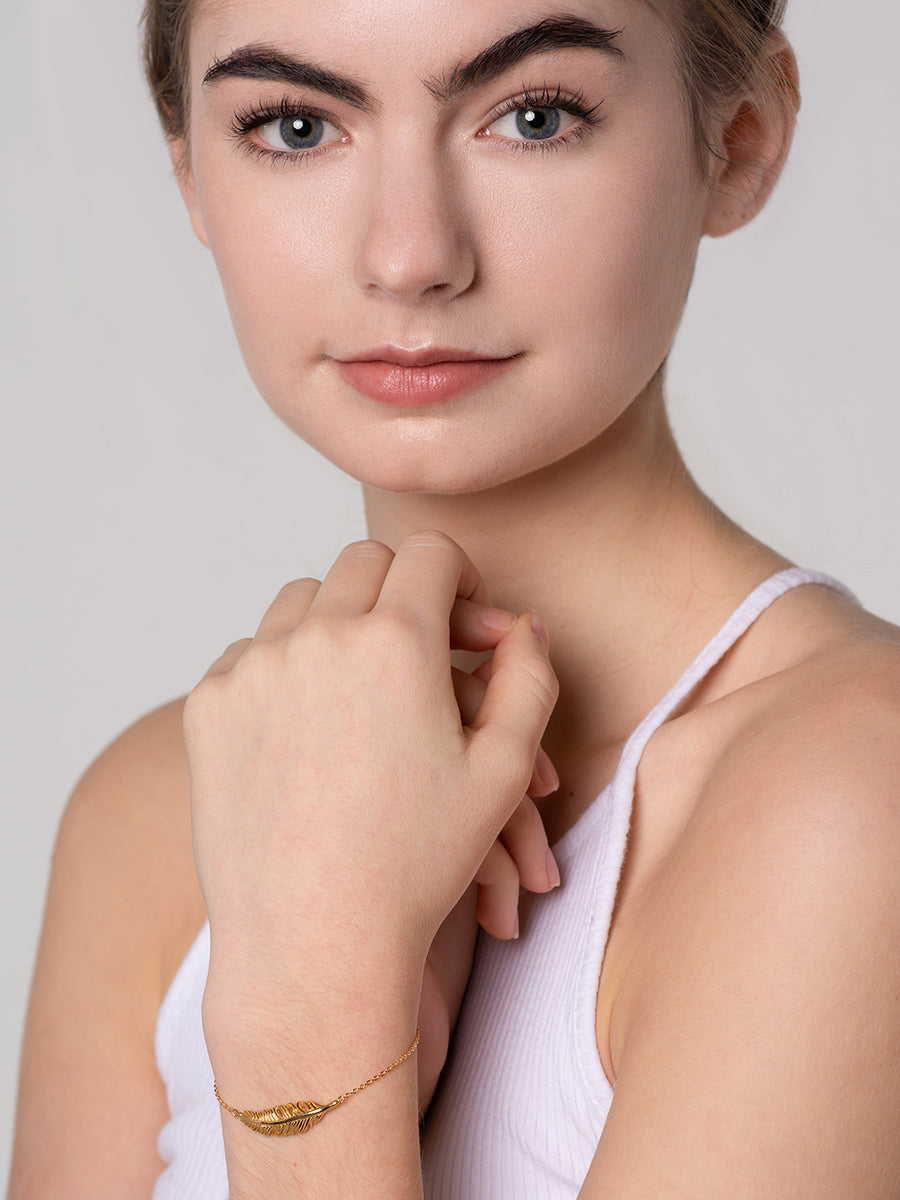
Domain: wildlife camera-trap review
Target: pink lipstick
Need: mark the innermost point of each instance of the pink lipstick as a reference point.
(417, 378)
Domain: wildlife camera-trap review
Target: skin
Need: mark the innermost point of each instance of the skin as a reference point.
(776, 841)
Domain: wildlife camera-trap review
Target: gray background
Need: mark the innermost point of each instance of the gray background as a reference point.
(152, 505)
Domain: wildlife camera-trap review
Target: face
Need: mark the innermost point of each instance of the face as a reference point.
(517, 228)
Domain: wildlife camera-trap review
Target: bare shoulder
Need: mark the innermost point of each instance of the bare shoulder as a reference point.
(755, 1033)
(131, 811)
(122, 908)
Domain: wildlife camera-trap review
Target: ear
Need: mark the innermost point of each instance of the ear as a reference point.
(754, 141)
(184, 173)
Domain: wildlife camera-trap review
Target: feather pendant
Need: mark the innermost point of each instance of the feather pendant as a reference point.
(286, 1119)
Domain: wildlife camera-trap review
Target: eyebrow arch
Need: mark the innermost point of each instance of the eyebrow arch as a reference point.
(265, 62)
(258, 61)
(553, 33)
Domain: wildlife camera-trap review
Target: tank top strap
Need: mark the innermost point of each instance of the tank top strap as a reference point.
(715, 650)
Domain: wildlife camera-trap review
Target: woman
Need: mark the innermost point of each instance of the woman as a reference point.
(456, 245)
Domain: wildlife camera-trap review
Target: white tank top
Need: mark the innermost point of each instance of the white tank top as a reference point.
(523, 1098)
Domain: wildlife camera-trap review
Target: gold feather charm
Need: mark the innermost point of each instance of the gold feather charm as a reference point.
(286, 1119)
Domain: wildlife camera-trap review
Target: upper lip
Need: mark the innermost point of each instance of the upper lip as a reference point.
(425, 357)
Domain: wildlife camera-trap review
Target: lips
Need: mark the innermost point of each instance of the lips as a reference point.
(416, 378)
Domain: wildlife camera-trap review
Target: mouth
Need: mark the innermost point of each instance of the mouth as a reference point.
(416, 378)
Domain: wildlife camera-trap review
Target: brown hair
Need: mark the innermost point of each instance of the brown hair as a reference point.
(722, 44)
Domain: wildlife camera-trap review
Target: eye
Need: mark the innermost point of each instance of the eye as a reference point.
(534, 123)
(298, 131)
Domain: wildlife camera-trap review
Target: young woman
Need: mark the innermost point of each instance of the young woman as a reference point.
(456, 241)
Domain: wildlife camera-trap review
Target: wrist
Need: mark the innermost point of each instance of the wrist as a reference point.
(321, 1033)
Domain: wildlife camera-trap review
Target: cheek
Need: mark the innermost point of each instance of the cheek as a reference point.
(274, 248)
(609, 269)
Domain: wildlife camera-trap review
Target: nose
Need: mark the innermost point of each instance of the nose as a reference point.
(415, 241)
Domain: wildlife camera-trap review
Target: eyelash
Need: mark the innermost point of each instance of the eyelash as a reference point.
(246, 120)
(575, 104)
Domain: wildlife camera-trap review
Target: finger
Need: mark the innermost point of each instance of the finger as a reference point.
(228, 658)
(526, 843)
(469, 692)
(544, 778)
(483, 671)
(287, 610)
(353, 584)
(518, 702)
(428, 573)
(476, 627)
(497, 907)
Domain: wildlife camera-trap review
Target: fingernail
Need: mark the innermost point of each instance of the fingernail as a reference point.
(497, 618)
(546, 771)
(537, 624)
(516, 928)
(552, 870)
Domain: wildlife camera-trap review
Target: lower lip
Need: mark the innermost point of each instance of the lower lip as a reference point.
(416, 387)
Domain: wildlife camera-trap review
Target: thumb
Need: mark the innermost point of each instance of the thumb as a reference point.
(517, 704)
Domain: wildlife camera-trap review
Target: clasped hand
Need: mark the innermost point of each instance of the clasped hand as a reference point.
(349, 788)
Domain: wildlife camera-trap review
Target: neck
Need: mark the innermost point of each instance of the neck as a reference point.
(630, 564)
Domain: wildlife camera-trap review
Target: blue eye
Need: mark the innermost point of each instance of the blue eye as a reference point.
(538, 122)
(298, 131)
(533, 123)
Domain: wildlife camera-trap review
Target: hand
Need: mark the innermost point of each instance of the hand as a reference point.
(519, 857)
(341, 807)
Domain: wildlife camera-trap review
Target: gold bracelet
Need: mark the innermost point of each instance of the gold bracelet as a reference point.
(286, 1119)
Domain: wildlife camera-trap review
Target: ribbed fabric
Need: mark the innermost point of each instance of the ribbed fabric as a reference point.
(191, 1140)
(524, 1098)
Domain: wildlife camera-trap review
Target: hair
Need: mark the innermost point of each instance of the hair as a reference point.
(722, 53)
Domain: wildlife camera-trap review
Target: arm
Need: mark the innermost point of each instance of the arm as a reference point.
(123, 904)
(759, 1051)
(330, 750)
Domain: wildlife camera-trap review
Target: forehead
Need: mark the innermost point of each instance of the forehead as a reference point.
(408, 39)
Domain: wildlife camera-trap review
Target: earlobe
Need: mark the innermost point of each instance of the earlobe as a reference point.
(181, 161)
(754, 143)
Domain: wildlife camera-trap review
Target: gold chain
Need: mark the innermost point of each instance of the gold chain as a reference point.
(381, 1074)
(300, 1116)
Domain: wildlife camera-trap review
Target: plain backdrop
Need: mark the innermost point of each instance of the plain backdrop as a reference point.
(153, 506)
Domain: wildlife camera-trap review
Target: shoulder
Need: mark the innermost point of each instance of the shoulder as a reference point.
(801, 807)
(129, 818)
(759, 1020)
(805, 748)
(797, 797)
(801, 794)
(822, 737)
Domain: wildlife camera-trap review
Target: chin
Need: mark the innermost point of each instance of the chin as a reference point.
(411, 471)
(437, 481)
(448, 473)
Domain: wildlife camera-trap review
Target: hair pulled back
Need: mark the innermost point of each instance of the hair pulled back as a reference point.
(722, 44)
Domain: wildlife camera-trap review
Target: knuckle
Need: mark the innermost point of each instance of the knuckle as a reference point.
(293, 586)
(544, 683)
(236, 648)
(498, 870)
(511, 767)
(525, 822)
(431, 539)
(202, 704)
(367, 549)
(394, 632)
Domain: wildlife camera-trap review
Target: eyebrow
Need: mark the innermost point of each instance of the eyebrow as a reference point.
(553, 33)
(265, 62)
(258, 61)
